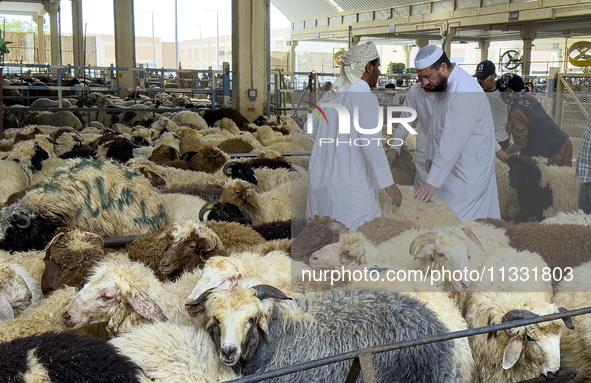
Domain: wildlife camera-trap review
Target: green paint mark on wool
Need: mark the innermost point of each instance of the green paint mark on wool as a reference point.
(88, 164)
(106, 200)
(155, 222)
(126, 199)
(129, 174)
(94, 213)
(52, 187)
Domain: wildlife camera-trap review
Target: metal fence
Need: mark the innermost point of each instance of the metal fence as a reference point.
(573, 102)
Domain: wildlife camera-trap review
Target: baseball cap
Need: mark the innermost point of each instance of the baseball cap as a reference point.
(485, 69)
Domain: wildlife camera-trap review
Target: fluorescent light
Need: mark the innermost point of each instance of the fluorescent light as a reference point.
(336, 5)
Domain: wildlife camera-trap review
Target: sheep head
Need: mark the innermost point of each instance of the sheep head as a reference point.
(538, 344)
(447, 247)
(113, 296)
(242, 194)
(191, 244)
(236, 319)
(319, 232)
(13, 287)
(23, 227)
(69, 258)
(241, 171)
(225, 212)
(208, 159)
(351, 249)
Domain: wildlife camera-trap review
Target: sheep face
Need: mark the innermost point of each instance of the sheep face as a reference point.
(69, 258)
(352, 248)
(14, 288)
(208, 160)
(23, 228)
(241, 171)
(217, 270)
(110, 296)
(447, 248)
(236, 319)
(537, 344)
(241, 194)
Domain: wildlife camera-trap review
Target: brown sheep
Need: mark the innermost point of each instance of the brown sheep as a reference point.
(190, 247)
(150, 248)
(234, 236)
(208, 159)
(235, 145)
(163, 154)
(68, 259)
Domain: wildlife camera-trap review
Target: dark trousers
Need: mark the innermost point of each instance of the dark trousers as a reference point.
(504, 144)
(585, 197)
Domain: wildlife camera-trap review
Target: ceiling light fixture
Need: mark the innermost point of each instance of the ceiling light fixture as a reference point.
(336, 5)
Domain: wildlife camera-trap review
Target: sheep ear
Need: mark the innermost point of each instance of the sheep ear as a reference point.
(147, 308)
(512, 352)
(264, 326)
(210, 323)
(6, 312)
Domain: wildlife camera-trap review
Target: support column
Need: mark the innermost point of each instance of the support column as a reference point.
(53, 9)
(124, 41)
(292, 58)
(40, 39)
(250, 82)
(483, 45)
(448, 37)
(77, 33)
(421, 43)
(407, 50)
(528, 38)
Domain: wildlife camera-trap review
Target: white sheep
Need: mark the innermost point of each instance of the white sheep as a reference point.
(173, 353)
(14, 292)
(121, 293)
(574, 218)
(182, 207)
(14, 179)
(574, 292)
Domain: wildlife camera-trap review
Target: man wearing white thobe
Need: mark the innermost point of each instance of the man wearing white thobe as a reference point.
(460, 139)
(345, 174)
(422, 103)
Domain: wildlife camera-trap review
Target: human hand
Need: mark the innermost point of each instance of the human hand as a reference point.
(428, 165)
(502, 155)
(395, 194)
(391, 156)
(425, 192)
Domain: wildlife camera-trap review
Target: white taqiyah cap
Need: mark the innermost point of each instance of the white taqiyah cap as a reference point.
(427, 56)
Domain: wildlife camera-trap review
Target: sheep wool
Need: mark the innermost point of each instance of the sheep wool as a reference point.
(94, 195)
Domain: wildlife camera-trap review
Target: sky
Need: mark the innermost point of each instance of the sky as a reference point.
(194, 17)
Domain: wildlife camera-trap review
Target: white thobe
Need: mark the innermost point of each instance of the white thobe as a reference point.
(344, 179)
(422, 103)
(462, 144)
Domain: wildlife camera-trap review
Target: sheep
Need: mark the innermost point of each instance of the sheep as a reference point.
(212, 115)
(191, 245)
(59, 357)
(121, 294)
(14, 179)
(272, 269)
(242, 171)
(69, 258)
(361, 318)
(173, 353)
(31, 261)
(235, 237)
(190, 119)
(31, 154)
(93, 195)
(274, 205)
(47, 316)
(228, 125)
(435, 213)
(542, 191)
(225, 212)
(14, 292)
(520, 353)
(559, 245)
(235, 145)
(574, 292)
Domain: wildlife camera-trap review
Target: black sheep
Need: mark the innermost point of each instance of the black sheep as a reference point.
(241, 170)
(526, 178)
(212, 115)
(65, 357)
(225, 212)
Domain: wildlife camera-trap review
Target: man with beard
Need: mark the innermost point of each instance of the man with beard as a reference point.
(460, 139)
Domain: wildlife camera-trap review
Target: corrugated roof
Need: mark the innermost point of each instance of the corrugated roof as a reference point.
(312, 9)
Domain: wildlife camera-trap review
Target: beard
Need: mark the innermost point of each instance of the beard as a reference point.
(441, 87)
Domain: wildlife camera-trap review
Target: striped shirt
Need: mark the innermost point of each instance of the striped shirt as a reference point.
(584, 159)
